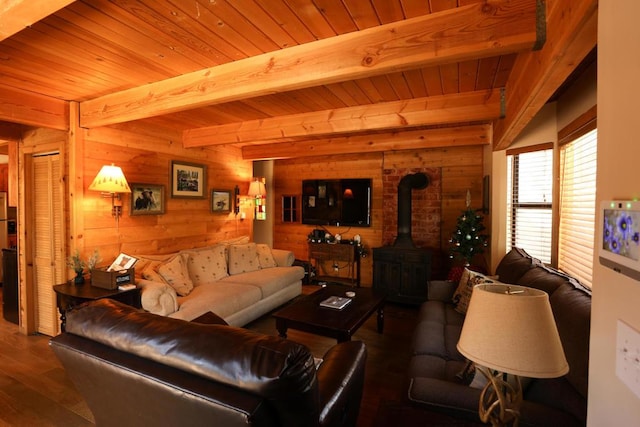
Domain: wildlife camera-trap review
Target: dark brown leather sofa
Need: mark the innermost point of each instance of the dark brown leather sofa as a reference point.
(137, 368)
(436, 364)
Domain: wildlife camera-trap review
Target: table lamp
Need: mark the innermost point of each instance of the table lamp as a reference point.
(510, 329)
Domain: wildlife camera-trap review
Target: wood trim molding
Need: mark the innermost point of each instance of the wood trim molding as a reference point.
(530, 148)
(587, 122)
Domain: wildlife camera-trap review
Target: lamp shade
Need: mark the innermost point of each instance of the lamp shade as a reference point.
(110, 179)
(511, 329)
(257, 188)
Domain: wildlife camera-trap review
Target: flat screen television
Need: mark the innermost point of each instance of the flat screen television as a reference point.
(339, 202)
(619, 239)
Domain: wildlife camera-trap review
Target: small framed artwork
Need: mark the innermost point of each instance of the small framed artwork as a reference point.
(147, 199)
(188, 180)
(221, 201)
(122, 262)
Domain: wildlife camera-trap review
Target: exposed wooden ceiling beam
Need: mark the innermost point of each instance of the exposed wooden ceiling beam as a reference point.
(33, 109)
(414, 139)
(446, 109)
(16, 15)
(10, 132)
(572, 26)
(468, 32)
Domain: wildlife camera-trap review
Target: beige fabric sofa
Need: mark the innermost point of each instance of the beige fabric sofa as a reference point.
(237, 280)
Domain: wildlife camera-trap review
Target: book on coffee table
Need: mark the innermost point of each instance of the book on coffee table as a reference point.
(336, 302)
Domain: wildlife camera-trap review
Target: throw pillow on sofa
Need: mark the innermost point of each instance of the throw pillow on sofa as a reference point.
(462, 295)
(207, 265)
(176, 274)
(150, 272)
(265, 256)
(243, 258)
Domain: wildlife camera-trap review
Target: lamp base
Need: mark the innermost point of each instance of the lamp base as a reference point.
(500, 400)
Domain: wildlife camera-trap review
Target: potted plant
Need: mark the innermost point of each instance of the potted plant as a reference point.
(77, 264)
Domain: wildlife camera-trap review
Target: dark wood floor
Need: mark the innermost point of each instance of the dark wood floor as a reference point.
(35, 391)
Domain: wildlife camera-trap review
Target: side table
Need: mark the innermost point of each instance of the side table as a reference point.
(69, 295)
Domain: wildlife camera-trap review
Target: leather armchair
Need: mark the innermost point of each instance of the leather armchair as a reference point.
(137, 368)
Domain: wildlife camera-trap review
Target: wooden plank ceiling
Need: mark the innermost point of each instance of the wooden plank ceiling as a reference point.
(285, 78)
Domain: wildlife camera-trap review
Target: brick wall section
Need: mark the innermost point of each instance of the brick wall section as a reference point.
(426, 206)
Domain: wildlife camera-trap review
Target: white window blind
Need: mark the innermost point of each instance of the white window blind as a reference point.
(577, 206)
(530, 195)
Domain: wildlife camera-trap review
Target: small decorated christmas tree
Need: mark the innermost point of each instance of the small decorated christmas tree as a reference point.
(468, 240)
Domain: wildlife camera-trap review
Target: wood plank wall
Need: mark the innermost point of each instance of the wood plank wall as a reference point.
(145, 157)
(461, 167)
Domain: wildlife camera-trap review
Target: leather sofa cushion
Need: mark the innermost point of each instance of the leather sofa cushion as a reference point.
(438, 331)
(542, 278)
(279, 370)
(514, 264)
(572, 311)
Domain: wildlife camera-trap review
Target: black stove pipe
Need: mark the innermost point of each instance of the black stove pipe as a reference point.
(409, 182)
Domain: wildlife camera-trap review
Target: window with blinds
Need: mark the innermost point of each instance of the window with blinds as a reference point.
(529, 199)
(578, 161)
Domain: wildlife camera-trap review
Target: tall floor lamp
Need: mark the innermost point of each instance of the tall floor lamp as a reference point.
(510, 329)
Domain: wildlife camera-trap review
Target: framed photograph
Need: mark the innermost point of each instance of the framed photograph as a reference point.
(188, 180)
(147, 199)
(221, 201)
(122, 262)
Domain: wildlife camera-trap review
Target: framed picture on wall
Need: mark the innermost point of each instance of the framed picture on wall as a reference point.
(221, 201)
(188, 180)
(147, 199)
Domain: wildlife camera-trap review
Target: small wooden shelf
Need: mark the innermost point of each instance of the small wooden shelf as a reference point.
(323, 256)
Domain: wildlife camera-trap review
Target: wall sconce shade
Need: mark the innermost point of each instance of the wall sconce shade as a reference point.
(257, 188)
(348, 194)
(110, 179)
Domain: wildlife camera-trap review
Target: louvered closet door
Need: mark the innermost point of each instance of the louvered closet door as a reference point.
(48, 242)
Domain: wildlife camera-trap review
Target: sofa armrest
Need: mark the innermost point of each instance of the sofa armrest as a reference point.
(283, 257)
(340, 383)
(441, 290)
(157, 298)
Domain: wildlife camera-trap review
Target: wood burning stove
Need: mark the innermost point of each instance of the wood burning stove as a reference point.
(403, 270)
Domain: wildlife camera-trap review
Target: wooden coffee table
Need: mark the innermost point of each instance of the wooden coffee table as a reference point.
(307, 315)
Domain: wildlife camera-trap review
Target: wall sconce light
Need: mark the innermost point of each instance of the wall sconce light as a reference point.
(111, 182)
(236, 193)
(257, 188)
(258, 192)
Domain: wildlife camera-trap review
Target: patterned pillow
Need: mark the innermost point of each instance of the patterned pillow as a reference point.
(176, 274)
(462, 295)
(243, 258)
(265, 257)
(207, 266)
(150, 272)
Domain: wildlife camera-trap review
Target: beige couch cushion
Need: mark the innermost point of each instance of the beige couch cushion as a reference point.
(176, 274)
(268, 280)
(243, 258)
(223, 299)
(207, 265)
(265, 257)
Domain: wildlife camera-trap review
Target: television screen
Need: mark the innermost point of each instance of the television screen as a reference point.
(337, 202)
(619, 239)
